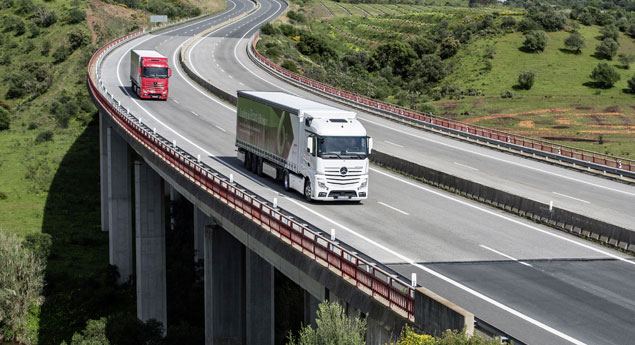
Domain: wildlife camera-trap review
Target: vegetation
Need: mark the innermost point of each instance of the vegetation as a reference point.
(526, 80)
(410, 337)
(605, 75)
(465, 62)
(333, 328)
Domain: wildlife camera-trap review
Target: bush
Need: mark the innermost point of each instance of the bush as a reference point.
(44, 137)
(290, 65)
(63, 109)
(44, 18)
(333, 327)
(75, 15)
(61, 54)
(93, 334)
(526, 80)
(527, 24)
(77, 39)
(5, 119)
(631, 30)
(449, 47)
(507, 94)
(315, 45)
(611, 32)
(574, 43)
(422, 46)
(46, 48)
(604, 75)
(288, 30)
(631, 84)
(34, 30)
(626, 60)
(39, 243)
(296, 16)
(607, 49)
(21, 282)
(268, 29)
(508, 23)
(535, 41)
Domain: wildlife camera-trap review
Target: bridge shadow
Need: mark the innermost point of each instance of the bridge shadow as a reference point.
(80, 285)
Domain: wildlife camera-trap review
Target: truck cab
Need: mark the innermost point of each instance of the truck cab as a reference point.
(149, 73)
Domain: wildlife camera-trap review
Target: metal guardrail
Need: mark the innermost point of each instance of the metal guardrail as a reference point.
(367, 275)
(589, 159)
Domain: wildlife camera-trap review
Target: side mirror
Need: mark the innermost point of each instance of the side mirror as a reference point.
(309, 145)
(370, 144)
(169, 72)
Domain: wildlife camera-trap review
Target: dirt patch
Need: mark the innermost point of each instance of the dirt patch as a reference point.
(560, 127)
(586, 140)
(563, 121)
(110, 20)
(526, 113)
(526, 124)
(612, 109)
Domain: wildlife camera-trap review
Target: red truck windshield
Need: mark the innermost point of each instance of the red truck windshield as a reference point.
(155, 72)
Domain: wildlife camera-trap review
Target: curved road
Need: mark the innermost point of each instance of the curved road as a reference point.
(540, 285)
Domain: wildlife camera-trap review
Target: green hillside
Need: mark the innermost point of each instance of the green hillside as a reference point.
(464, 62)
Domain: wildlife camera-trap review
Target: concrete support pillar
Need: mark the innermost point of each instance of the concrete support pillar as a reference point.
(103, 169)
(150, 245)
(201, 220)
(174, 197)
(378, 334)
(310, 309)
(119, 205)
(224, 288)
(260, 299)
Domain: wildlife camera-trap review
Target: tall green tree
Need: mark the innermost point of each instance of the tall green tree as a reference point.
(607, 49)
(574, 42)
(535, 41)
(333, 328)
(605, 75)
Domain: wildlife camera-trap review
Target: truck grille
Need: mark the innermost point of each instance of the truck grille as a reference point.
(352, 176)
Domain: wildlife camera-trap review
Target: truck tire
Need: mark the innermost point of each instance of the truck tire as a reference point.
(307, 190)
(248, 161)
(259, 162)
(254, 164)
(285, 181)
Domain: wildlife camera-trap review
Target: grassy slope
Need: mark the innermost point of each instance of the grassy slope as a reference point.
(559, 106)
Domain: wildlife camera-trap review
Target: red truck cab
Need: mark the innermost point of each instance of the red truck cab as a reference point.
(149, 73)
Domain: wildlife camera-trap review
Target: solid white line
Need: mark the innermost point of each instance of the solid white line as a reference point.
(402, 257)
(391, 143)
(505, 255)
(496, 158)
(195, 114)
(466, 166)
(570, 197)
(175, 100)
(499, 215)
(221, 128)
(444, 278)
(393, 208)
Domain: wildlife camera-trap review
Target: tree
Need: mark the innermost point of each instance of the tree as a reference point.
(526, 80)
(333, 328)
(575, 42)
(607, 49)
(626, 60)
(610, 31)
(631, 30)
(449, 47)
(93, 334)
(535, 41)
(604, 75)
(422, 46)
(631, 84)
(5, 120)
(396, 55)
(21, 282)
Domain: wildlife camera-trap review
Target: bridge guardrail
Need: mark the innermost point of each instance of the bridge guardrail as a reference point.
(367, 275)
(545, 149)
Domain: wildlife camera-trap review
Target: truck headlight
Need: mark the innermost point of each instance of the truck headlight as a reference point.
(322, 185)
(364, 183)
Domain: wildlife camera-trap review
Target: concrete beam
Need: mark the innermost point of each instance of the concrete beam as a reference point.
(224, 285)
(103, 168)
(119, 205)
(260, 308)
(201, 220)
(150, 245)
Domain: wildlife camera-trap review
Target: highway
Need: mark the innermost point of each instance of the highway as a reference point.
(222, 58)
(469, 253)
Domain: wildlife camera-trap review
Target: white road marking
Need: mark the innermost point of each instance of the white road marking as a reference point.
(505, 255)
(221, 128)
(570, 197)
(393, 144)
(175, 100)
(195, 114)
(393, 208)
(502, 216)
(466, 166)
(402, 257)
(496, 158)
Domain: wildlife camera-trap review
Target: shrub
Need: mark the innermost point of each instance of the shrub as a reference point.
(611, 32)
(410, 337)
(508, 23)
(46, 48)
(631, 30)
(61, 53)
(44, 136)
(19, 28)
(77, 38)
(449, 47)
(528, 24)
(5, 58)
(315, 45)
(3, 196)
(290, 65)
(547, 17)
(21, 282)
(631, 84)
(75, 15)
(526, 80)
(535, 41)
(626, 60)
(34, 30)
(607, 49)
(397, 56)
(333, 327)
(575, 42)
(268, 29)
(5, 119)
(422, 46)
(93, 334)
(604, 75)
(39, 243)
(296, 16)
(507, 94)
(63, 109)
(288, 30)
(44, 18)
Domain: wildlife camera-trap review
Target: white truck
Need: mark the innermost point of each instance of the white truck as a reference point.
(315, 149)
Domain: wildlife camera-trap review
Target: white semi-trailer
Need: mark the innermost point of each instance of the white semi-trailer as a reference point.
(315, 149)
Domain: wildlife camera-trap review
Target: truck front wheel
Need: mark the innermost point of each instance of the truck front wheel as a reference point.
(287, 186)
(307, 190)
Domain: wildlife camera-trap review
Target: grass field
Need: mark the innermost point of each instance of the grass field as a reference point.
(562, 106)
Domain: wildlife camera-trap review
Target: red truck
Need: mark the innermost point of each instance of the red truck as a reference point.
(149, 73)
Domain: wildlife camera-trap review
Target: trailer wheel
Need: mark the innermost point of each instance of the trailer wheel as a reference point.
(287, 186)
(307, 190)
(259, 162)
(254, 164)
(248, 161)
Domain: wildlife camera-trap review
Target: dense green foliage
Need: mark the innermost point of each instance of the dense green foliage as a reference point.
(526, 80)
(21, 282)
(607, 49)
(535, 41)
(574, 42)
(605, 75)
(410, 337)
(333, 328)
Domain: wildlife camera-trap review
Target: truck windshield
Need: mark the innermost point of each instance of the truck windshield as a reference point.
(155, 72)
(342, 147)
